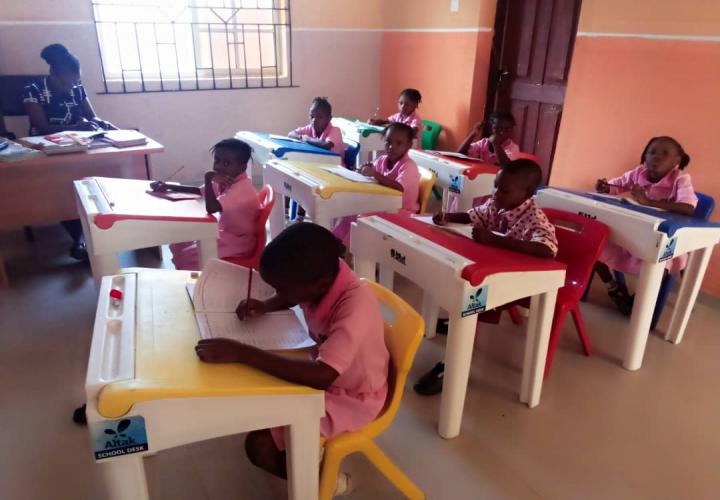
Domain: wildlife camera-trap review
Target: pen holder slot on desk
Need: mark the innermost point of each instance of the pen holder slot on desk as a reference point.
(116, 306)
(112, 350)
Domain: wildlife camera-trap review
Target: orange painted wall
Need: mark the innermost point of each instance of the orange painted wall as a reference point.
(621, 92)
(443, 67)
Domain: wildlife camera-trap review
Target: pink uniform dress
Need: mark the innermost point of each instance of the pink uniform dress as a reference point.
(411, 120)
(481, 150)
(330, 134)
(236, 228)
(405, 171)
(676, 186)
(348, 328)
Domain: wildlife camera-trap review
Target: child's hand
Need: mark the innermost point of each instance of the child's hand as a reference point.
(222, 351)
(482, 235)
(85, 124)
(248, 309)
(368, 170)
(305, 138)
(638, 194)
(479, 128)
(439, 218)
(159, 186)
(602, 186)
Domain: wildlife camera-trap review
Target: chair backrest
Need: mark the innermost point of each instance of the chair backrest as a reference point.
(267, 200)
(403, 334)
(352, 149)
(430, 133)
(11, 91)
(427, 181)
(705, 206)
(580, 242)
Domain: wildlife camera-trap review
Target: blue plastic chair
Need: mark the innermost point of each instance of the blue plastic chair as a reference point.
(703, 210)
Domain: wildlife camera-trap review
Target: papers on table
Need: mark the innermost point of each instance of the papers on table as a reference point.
(624, 198)
(461, 229)
(215, 296)
(349, 174)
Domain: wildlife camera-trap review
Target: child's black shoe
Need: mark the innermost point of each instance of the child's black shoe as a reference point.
(431, 383)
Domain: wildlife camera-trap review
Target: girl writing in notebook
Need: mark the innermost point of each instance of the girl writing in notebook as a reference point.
(395, 170)
(660, 182)
(229, 191)
(320, 131)
(408, 103)
(498, 148)
(304, 264)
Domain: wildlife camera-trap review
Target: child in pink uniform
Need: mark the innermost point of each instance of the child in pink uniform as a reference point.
(304, 265)
(395, 170)
(408, 103)
(522, 227)
(659, 181)
(499, 148)
(320, 131)
(227, 190)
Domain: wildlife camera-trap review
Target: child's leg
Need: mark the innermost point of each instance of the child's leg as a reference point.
(618, 292)
(262, 452)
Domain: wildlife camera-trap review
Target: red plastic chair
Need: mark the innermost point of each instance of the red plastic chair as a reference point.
(267, 200)
(580, 243)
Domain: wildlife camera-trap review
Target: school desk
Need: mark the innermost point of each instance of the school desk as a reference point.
(119, 215)
(267, 147)
(654, 236)
(370, 137)
(460, 178)
(40, 190)
(464, 278)
(147, 391)
(325, 196)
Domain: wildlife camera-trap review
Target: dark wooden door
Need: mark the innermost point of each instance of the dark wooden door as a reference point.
(530, 64)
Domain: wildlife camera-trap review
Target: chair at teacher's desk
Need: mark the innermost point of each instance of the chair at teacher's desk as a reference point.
(403, 333)
(267, 200)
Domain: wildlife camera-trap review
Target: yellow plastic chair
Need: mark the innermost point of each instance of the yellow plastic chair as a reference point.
(402, 338)
(427, 181)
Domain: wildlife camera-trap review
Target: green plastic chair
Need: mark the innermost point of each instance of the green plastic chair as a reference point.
(430, 134)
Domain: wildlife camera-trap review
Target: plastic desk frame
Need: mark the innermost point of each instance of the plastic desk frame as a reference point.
(438, 272)
(639, 232)
(368, 136)
(172, 422)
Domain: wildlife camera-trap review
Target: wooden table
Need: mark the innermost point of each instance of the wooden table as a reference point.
(40, 190)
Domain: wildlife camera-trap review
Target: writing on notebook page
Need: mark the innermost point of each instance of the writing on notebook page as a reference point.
(215, 296)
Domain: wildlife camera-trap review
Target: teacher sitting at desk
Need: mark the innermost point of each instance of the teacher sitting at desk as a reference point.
(56, 103)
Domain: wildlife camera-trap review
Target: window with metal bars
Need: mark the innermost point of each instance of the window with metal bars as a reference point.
(178, 45)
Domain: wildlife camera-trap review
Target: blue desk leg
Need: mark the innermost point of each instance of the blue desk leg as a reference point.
(694, 273)
(648, 285)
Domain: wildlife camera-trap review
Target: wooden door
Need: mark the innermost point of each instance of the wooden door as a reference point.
(531, 57)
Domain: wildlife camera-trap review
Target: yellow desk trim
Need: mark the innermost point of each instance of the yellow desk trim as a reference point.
(331, 183)
(165, 362)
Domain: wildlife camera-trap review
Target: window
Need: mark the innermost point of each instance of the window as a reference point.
(171, 45)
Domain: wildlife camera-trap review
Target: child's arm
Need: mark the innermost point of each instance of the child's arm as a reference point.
(312, 373)
(475, 134)
(295, 135)
(534, 248)
(318, 143)
(502, 157)
(442, 218)
(369, 171)
(379, 122)
(638, 194)
(212, 205)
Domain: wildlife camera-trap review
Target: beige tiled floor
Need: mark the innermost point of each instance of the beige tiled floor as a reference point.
(600, 432)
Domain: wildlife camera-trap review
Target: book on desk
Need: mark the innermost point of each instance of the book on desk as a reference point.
(215, 296)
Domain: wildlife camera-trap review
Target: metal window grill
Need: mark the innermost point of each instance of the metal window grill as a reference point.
(181, 45)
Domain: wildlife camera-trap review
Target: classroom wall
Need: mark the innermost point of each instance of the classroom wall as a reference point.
(331, 57)
(443, 54)
(642, 69)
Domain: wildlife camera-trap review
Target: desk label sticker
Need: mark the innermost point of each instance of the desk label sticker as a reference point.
(669, 250)
(456, 183)
(114, 438)
(475, 302)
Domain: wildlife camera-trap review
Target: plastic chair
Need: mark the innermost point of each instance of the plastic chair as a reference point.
(352, 149)
(427, 181)
(580, 243)
(267, 200)
(703, 210)
(402, 337)
(430, 133)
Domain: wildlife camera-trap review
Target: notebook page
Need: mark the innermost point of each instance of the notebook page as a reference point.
(274, 331)
(223, 285)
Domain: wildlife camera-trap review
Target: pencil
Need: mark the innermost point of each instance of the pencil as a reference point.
(247, 301)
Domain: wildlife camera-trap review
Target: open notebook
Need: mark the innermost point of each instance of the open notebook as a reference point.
(624, 198)
(215, 296)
